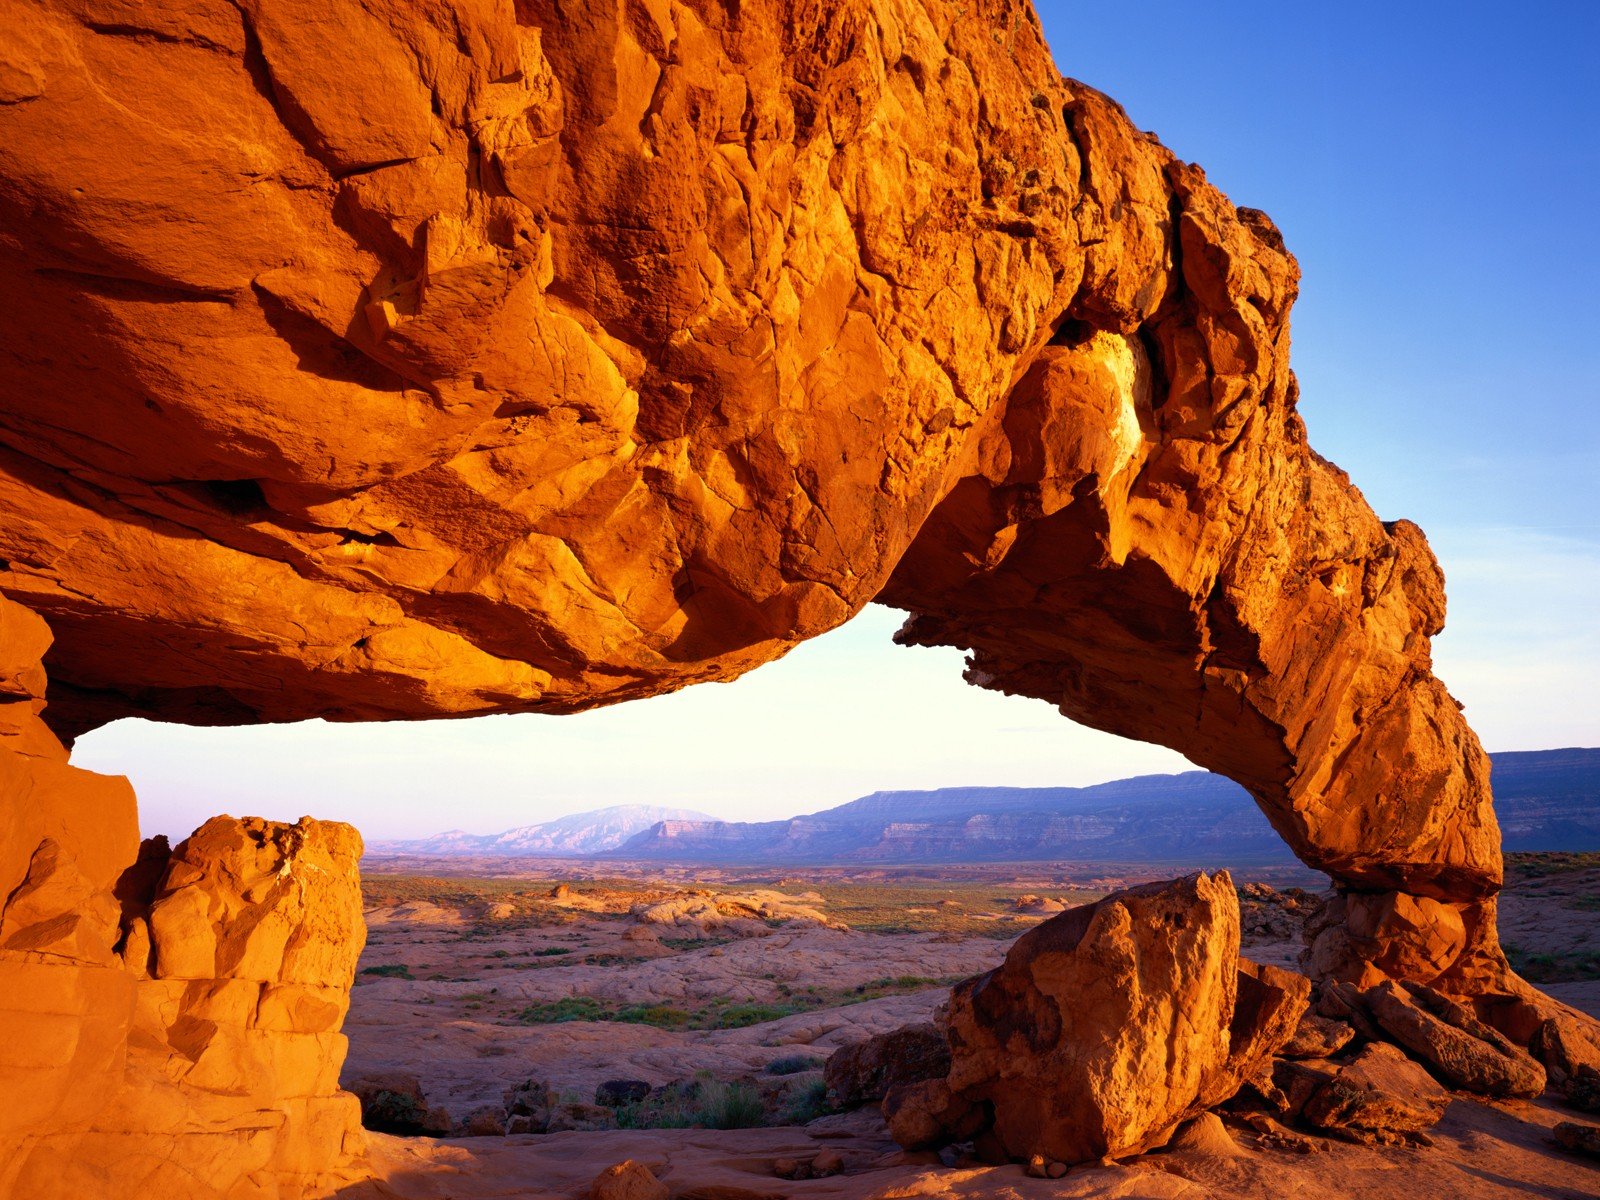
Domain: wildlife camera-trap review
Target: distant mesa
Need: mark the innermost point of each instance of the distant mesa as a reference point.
(1545, 800)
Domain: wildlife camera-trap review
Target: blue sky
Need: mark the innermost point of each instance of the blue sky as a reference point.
(1433, 166)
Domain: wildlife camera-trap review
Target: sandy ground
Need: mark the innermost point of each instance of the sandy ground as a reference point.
(1480, 1152)
(455, 1026)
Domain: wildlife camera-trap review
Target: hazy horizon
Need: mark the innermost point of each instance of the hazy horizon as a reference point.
(1424, 171)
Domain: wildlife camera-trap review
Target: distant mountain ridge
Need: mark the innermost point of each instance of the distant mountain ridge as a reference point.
(1545, 800)
(575, 835)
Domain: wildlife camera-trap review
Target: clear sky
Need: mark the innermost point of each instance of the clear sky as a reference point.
(1434, 167)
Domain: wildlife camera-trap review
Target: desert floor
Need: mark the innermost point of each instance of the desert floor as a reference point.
(474, 983)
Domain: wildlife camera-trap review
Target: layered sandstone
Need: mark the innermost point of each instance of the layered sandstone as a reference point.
(171, 1018)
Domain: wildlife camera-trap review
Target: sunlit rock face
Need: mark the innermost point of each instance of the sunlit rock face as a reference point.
(171, 1017)
(398, 360)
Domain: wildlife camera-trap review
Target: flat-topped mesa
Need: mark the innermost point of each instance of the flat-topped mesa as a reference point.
(384, 361)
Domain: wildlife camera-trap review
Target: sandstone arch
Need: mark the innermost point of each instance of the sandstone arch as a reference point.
(392, 360)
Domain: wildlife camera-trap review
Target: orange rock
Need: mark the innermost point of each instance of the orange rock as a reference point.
(172, 1019)
(1104, 1025)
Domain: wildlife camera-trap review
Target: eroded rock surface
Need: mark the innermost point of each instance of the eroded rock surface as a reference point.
(391, 361)
(1103, 1026)
(172, 1018)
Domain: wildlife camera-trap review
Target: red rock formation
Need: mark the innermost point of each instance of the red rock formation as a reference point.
(464, 359)
(1105, 1026)
(396, 360)
(171, 1019)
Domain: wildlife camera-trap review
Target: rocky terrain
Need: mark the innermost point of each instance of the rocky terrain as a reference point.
(557, 1004)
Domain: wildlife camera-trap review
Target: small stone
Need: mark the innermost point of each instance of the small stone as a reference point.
(791, 1168)
(1318, 1037)
(828, 1162)
(1037, 1168)
(1056, 1170)
(1581, 1139)
(627, 1180)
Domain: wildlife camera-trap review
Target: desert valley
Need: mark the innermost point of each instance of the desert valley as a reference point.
(538, 1005)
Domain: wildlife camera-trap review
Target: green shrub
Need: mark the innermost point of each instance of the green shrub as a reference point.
(807, 1103)
(389, 971)
(662, 1016)
(730, 1106)
(568, 1008)
(737, 1016)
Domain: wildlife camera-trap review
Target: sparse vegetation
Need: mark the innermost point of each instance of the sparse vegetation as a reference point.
(1557, 967)
(807, 1104)
(389, 971)
(730, 1106)
(721, 1013)
(1522, 865)
(793, 1064)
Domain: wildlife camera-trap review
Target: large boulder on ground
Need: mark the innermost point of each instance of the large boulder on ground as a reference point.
(866, 1070)
(1104, 1025)
(393, 1102)
(1580, 1139)
(1460, 1048)
(1570, 1054)
(1378, 1094)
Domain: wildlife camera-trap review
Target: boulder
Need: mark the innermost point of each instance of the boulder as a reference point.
(1380, 1093)
(391, 1102)
(575, 1115)
(1459, 1047)
(527, 1107)
(1317, 1037)
(487, 1121)
(925, 1115)
(1567, 1048)
(1104, 1025)
(865, 1071)
(1580, 1139)
(1267, 1010)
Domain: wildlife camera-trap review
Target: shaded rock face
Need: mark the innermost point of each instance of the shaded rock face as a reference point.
(867, 1070)
(172, 1018)
(1104, 1026)
(468, 358)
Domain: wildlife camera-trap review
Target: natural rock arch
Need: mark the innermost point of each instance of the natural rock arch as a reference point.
(390, 360)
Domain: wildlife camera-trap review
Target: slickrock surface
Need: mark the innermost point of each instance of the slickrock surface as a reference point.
(389, 360)
(457, 1022)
